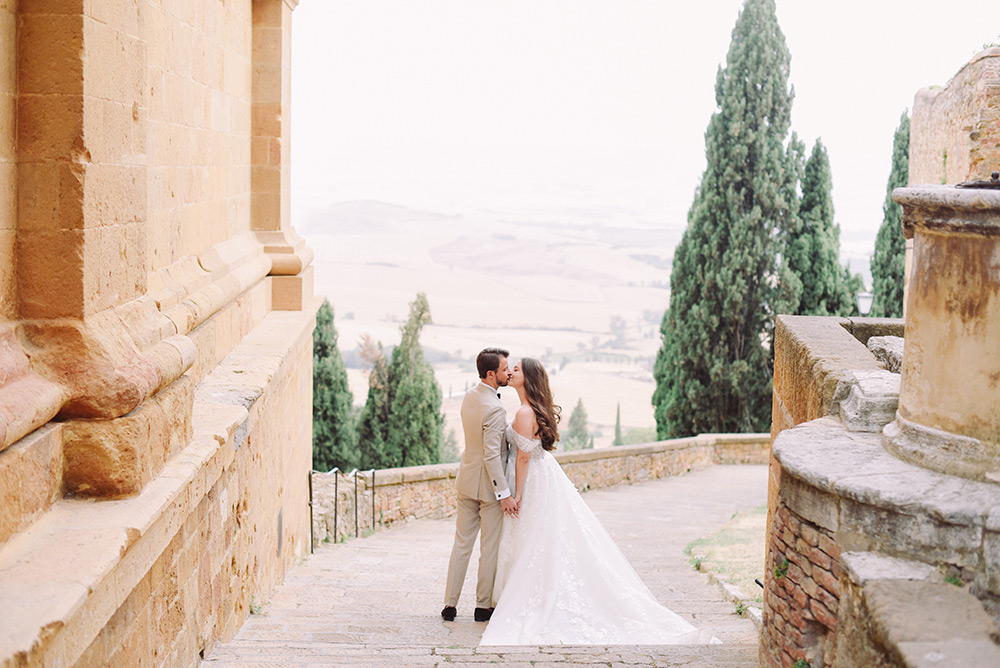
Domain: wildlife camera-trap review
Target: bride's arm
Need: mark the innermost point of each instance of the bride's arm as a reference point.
(525, 425)
(521, 472)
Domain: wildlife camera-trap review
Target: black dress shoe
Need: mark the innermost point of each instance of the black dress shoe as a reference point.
(483, 614)
(448, 614)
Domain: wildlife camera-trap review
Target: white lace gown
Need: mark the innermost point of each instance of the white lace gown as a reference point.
(562, 580)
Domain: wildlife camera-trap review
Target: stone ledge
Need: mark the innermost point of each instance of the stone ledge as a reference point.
(863, 471)
(901, 613)
(106, 365)
(921, 623)
(864, 567)
(812, 356)
(63, 578)
(30, 478)
(864, 329)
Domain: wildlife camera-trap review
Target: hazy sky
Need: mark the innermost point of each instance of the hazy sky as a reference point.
(592, 109)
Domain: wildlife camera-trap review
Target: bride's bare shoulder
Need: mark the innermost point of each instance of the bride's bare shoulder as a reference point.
(524, 422)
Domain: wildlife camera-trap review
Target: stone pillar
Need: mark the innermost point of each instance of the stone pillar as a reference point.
(81, 158)
(949, 402)
(270, 209)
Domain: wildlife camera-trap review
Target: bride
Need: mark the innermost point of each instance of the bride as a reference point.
(561, 579)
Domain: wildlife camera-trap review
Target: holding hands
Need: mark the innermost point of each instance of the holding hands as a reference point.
(510, 506)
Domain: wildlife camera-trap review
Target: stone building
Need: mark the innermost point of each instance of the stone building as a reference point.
(884, 497)
(156, 313)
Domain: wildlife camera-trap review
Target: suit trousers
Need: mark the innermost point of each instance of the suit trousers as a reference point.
(474, 514)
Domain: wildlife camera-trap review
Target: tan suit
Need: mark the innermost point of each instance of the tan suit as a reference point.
(481, 484)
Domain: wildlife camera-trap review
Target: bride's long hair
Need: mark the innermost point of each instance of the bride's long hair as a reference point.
(536, 388)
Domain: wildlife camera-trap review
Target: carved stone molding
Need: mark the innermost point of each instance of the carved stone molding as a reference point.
(288, 251)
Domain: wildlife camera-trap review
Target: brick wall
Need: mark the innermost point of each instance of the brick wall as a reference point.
(803, 590)
(955, 129)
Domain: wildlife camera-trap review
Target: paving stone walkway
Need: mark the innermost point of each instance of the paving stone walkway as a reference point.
(376, 601)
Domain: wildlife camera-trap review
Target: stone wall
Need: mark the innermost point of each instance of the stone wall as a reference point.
(429, 491)
(812, 356)
(156, 315)
(8, 158)
(198, 99)
(955, 129)
(860, 541)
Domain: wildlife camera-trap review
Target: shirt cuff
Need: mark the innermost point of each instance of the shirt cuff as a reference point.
(503, 495)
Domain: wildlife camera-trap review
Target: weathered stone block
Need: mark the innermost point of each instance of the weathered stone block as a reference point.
(888, 350)
(113, 458)
(291, 293)
(916, 611)
(982, 652)
(871, 401)
(818, 507)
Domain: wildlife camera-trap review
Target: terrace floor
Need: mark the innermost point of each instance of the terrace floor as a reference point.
(376, 601)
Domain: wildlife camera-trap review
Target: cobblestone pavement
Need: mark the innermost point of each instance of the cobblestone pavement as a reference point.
(376, 601)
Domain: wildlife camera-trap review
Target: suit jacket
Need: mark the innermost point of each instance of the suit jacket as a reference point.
(481, 473)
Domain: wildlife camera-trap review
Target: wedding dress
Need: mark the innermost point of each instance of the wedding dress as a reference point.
(562, 580)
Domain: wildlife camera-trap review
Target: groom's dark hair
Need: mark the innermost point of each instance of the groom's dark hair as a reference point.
(489, 360)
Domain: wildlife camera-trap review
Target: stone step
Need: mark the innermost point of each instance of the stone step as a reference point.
(248, 653)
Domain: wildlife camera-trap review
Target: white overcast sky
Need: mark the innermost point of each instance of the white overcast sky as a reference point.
(567, 109)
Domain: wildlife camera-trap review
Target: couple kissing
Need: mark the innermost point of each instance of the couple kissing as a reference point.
(549, 573)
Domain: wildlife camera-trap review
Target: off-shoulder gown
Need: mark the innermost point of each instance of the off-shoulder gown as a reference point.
(562, 578)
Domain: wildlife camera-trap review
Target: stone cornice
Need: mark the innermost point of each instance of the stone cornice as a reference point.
(947, 208)
(288, 251)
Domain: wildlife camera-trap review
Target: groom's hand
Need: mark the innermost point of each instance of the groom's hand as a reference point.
(509, 506)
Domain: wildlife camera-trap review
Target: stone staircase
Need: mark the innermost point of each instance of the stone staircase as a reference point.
(375, 601)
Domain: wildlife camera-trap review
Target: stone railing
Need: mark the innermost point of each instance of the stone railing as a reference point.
(419, 492)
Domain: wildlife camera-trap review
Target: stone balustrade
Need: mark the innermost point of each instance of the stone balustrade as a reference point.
(419, 492)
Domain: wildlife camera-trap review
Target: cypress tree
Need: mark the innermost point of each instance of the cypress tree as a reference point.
(401, 423)
(889, 260)
(812, 246)
(414, 431)
(374, 418)
(577, 437)
(713, 370)
(618, 425)
(789, 293)
(334, 434)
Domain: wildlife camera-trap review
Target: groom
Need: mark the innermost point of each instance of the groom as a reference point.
(483, 494)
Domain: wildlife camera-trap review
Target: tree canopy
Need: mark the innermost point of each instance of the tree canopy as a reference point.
(334, 434)
(402, 423)
(713, 370)
(889, 259)
(815, 283)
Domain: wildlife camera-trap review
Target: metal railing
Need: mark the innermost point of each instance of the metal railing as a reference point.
(336, 501)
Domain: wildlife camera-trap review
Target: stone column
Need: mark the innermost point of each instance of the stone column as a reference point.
(949, 401)
(81, 159)
(88, 342)
(270, 209)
